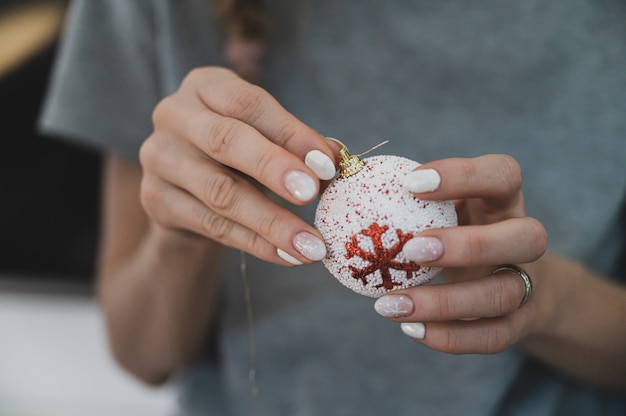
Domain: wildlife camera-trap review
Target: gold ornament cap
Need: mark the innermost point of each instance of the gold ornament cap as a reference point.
(352, 164)
(349, 164)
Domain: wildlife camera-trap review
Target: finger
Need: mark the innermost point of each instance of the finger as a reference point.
(492, 296)
(232, 197)
(481, 336)
(228, 95)
(174, 208)
(237, 145)
(496, 179)
(516, 240)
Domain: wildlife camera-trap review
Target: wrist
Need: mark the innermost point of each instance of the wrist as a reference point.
(554, 278)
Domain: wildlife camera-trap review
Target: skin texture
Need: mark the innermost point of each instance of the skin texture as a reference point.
(200, 188)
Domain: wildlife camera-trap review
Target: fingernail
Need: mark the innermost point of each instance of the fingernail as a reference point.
(288, 257)
(301, 185)
(414, 329)
(394, 306)
(423, 249)
(339, 142)
(309, 246)
(321, 164)
(422, 180)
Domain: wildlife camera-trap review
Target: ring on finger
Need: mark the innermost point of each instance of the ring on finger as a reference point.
(528, 284)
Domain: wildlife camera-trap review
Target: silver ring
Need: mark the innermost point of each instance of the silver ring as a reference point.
(528, 284)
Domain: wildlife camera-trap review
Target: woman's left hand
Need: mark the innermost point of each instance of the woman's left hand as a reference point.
(476, 310)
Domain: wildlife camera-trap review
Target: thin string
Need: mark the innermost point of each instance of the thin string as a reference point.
(250, 317)
(373, 148)
(250, 311)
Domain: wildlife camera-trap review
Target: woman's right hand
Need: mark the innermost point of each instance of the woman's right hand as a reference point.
(215, 140)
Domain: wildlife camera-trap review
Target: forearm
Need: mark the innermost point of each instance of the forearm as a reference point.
(587, 336)
(161, 302)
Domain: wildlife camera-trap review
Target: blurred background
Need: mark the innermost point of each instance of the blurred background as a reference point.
(53, 353)
(54, 358)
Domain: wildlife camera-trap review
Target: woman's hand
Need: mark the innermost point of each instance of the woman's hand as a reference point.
(214, 141)
(477, 311)
(574, 318)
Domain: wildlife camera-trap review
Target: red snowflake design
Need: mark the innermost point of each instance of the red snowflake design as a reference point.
(382, 259)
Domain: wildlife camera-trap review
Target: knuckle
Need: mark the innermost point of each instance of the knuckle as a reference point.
(194, 76)
(153, 155)
(269, 224)
(504, 295)
(477, 248)
(216, 226)
(245, 103)
(537, 238)
(490, 339)
(511, 173)
(446, 307)
(149, 197)
(285, 132)
(468, 172)
(451, 342)
(497, 339)
(201, 75)
(147, 152)
(220, 136)
(264, 165)
(167, 112)
(221, 191)
(153, 203)
(257, 244)
(160, 114)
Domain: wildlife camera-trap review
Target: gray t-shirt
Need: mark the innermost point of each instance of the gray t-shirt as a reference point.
(542, 81)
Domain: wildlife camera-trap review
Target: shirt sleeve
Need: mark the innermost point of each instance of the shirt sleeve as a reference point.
(104, 83)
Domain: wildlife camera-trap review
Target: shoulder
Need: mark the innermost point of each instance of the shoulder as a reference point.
(103, 86)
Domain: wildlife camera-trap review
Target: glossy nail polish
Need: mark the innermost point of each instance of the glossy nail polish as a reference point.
(414, 329)
(421, 249)
(301, 185)
(288, 257)
(394, 306)
(321, 164)
(310, 246)
(422, 180)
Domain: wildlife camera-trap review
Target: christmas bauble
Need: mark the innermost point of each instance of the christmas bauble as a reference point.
(366, 216)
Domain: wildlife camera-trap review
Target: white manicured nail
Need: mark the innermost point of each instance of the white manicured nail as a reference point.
(288, 257)
(414, 329)
(394, 306)
(309, 246)
(321, 164)
(423, 180)
(301, 185)
(423, 249)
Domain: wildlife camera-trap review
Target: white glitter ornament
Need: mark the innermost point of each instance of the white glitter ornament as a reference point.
(366, 216)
